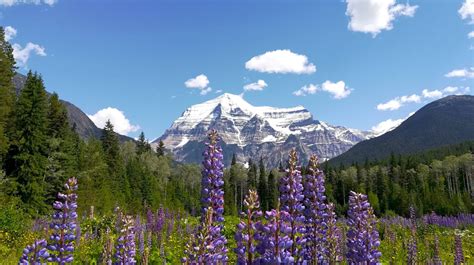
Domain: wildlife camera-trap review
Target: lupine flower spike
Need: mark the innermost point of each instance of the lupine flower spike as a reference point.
(61, 243)
(212, 198)
(274, 240)
(362, 237)
(332, 253)
(125, 247)
(412, 244)
(458, 251)
(106, 257)
(246, 229)
(35, 253)
(436, 258)
(315, 213)
(291, 198)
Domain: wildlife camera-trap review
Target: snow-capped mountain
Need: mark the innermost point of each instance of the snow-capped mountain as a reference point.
(254, 132)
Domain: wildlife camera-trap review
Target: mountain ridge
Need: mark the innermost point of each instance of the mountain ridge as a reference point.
(449, 120)
(256, 131)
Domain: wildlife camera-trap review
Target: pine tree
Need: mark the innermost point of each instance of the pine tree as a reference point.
(113, 158)
(110, 144)
(7, 92)
(232, 189)
(60, 152)
(272, 191)
(252, 176)
(262, 187)
(160, 149)
(142, 144)
(28, 165)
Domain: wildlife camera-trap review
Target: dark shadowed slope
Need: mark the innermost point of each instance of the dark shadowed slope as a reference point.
(77, 118)
(449, 120)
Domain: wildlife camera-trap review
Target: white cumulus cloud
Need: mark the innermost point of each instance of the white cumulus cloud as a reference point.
(338, 90)
(281, 62)
(10, 33)
(199, 82)
(431, 93)
(204, 91)
(34, 2)
(426, 95)
(306, 90)
(373, 16)
(388, 125)
(256, 86)
(470, 35)
(398, 102)
(467, 10)
(121, 124)
(22, 55)
(468, 73)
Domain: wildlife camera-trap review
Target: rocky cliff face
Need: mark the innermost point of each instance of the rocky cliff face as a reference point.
(254, 132)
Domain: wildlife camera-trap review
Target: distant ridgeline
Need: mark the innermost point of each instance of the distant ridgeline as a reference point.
(447, 121)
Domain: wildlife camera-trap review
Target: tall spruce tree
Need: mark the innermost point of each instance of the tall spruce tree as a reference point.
(272, 190)
(115, 163)
(28, 153)
(252, 175)
(142, 144)
(60, 152)
(7, 93)
(262, 186)
(231, 189)
(160, 149)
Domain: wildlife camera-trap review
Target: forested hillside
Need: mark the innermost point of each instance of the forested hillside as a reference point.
(446, 121)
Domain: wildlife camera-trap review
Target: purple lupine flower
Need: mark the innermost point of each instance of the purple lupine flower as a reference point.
(246, 229)
(315, 213)
(140, 229)
(125, 247)
(35, 253)
(149, 227)
(412, 251)
(212, 247)
(291, 198)
(273, 237)
(170, 225)
(202, 250)
(61, 241)
(332, 251)
(106, 256)
(141, 242)
(458, 251)
(362, 237)
(159, 224)
(436, 258)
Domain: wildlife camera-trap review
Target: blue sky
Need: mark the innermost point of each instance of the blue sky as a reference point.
(355, 63)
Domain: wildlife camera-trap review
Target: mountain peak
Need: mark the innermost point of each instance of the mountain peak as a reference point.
(248, 130)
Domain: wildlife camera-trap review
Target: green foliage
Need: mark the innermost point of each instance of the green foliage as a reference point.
(7, 93)
(441, 186)
(28, 153)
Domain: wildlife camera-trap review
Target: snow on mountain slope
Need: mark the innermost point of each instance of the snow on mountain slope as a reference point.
(252, 131)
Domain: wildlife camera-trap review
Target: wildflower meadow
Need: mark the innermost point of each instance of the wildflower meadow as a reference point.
(302, 229)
